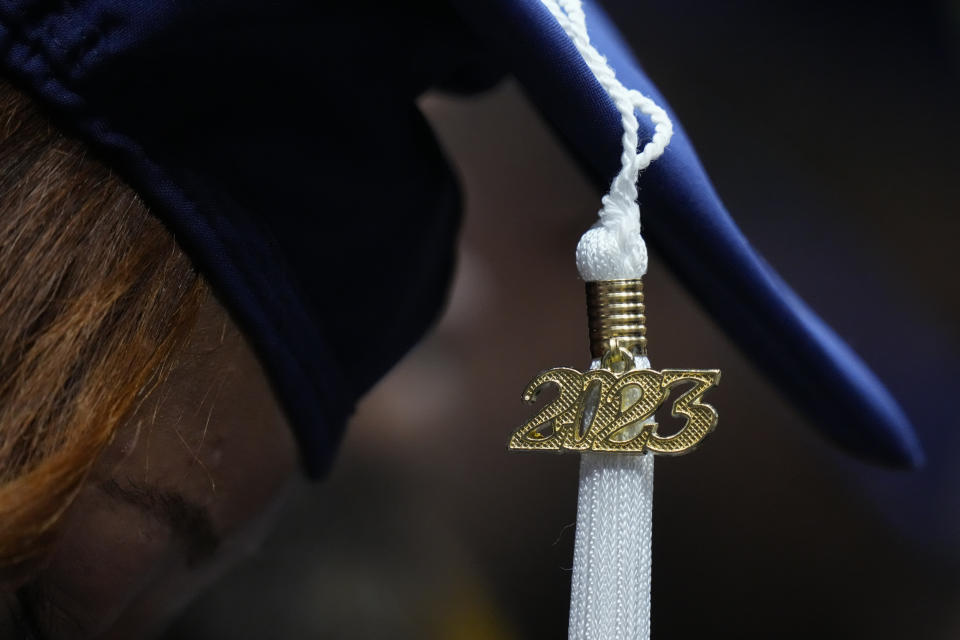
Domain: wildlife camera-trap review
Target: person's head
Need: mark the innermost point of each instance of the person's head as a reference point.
(140, 443)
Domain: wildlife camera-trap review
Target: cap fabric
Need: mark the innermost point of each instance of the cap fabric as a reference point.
(256, 130)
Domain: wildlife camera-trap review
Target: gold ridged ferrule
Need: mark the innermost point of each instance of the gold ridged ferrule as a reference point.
(615, 310)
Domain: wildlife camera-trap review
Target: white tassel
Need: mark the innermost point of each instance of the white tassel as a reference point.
(610, 597)
(611, 575)
(610, 594)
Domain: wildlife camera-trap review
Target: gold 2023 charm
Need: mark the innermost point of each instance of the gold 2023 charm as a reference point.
(595, 411)
(610, 408)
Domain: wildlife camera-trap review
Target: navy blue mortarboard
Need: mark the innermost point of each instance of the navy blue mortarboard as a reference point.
(245, 128)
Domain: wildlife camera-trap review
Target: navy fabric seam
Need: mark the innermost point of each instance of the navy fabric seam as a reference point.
(16, 35)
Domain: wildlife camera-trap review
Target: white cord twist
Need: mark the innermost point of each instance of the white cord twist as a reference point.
(614, 248)
(610, 597)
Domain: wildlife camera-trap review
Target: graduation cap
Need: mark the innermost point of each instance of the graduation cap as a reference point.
(281, 143)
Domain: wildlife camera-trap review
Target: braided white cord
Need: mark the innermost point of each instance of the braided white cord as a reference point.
(610, 595)
(614, 248)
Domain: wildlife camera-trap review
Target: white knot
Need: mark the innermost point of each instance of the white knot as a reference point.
(612, 250)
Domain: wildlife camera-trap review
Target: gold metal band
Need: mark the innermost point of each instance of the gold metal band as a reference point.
(615, 310)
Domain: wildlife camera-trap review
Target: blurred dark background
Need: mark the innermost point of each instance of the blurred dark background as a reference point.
(831, 130)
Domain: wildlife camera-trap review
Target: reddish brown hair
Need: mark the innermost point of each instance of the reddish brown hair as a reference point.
(95, 297)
